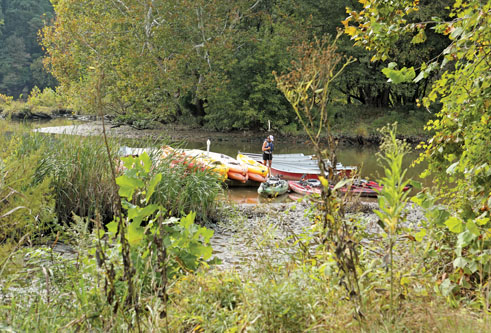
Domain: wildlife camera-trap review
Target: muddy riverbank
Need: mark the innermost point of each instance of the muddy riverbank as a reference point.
(176, 133)
(254, 232)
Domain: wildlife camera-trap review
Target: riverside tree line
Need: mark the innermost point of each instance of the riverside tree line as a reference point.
(201, 62)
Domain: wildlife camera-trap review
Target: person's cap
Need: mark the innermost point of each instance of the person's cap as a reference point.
(271, 138)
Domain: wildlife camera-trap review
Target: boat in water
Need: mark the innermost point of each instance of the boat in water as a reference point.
(300, 166)
(306, 187)
(273, 187)
(256, 171)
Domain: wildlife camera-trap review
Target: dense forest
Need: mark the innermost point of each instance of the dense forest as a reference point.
(21, 67)
(202, 62)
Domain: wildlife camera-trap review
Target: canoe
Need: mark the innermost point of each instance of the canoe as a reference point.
(305, 187)
(291, 172)
(378, 187)
(362, 191)
(365, 188)
(298, 166)
(259, 157)
(273, 187)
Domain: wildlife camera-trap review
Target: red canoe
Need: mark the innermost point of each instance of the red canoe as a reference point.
(298, 172)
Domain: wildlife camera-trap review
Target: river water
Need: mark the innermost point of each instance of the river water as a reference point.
(362, 156)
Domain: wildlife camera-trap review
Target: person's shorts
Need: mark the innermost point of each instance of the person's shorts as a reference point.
(267, 157)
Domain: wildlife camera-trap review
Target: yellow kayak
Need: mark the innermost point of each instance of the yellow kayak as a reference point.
(253, 167)
(209, 161)
(193, 158)
(214, 166)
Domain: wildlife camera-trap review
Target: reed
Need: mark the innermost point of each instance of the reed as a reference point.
(80, 176)
(183, 190)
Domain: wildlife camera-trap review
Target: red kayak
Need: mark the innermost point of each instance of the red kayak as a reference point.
(305, 187)
(362, 191)
(365, 188)
(378, 187)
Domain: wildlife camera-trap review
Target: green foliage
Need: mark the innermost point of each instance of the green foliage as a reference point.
(25, 208)
(464, 244)
(392, 199)
(20, 53)
(79, 174)
(457, 155)
(159, 249)
(183, 239)
(398, 76)
(47, 98)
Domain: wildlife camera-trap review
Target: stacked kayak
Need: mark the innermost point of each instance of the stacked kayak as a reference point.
(273, 187)
(255, 170)
(236, 170)
(197, 161)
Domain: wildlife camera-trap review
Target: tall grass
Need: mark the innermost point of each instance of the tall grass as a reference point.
(26, 209)
(80, 175)
(184, 190)
(76, 171)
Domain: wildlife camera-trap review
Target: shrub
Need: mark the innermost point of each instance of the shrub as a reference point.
(46, 98)
(183, 190)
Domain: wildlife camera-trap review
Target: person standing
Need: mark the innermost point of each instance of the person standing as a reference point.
(268, 148)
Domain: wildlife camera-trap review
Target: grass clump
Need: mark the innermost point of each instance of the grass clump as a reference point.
(183, 190)
(26, 209)
(80, 175)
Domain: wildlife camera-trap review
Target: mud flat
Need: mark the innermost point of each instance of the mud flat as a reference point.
(266, 230)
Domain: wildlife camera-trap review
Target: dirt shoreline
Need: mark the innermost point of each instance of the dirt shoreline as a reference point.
(239, 242)
(177, 132)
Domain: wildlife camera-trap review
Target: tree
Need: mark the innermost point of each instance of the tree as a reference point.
(458, 155)
(251, 97)
(364, 83)
(210, 61)
(157, 57)
(19, 48)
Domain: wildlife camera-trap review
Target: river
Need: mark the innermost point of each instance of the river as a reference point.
(362, 156)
